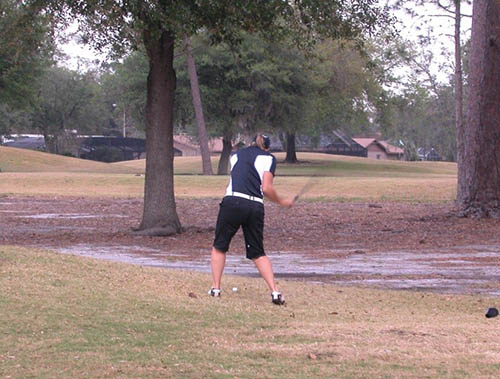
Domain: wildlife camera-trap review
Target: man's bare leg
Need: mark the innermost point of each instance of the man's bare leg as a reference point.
(217, 263)
(265, 268)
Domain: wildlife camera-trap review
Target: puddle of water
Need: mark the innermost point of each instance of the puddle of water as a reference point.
(39, 230)
(399, 263)
(154, 257)
(3, 211)
(113, 253)
(69, 216)
(394, 270)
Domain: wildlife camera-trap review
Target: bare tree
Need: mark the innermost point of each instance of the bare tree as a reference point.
(452, 10)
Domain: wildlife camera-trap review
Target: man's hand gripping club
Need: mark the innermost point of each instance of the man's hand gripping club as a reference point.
(271, 194)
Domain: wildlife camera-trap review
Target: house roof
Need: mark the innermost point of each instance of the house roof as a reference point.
(389, 149)
(365, 142)
(184, 141)
(344, 138)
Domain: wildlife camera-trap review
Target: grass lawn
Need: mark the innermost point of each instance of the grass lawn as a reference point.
(314, 164)
(439, 188)
(335, 178)
(67, 316)
(24, 160)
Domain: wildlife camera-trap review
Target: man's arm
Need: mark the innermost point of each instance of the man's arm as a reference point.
(270, 191)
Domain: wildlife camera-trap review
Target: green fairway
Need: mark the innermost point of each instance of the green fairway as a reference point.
(24, 160)
(336, 178)
(315, 164)
(65, 316)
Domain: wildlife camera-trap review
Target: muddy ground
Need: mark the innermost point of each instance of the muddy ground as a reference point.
(389, 245)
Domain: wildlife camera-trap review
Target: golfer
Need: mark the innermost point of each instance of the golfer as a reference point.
(252, 174)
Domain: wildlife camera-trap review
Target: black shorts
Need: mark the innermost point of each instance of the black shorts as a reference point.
(235, 212)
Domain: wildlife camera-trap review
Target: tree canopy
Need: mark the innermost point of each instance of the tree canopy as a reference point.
(159, 25)
(25, 49)
(25, 45)
(67, 101)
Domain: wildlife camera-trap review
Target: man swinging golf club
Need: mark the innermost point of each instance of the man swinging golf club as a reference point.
(252, 174)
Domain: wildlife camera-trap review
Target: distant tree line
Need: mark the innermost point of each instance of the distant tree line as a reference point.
(289, 67)
(258, 85)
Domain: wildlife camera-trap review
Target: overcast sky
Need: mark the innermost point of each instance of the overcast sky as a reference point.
(76, 51)
(443, 28)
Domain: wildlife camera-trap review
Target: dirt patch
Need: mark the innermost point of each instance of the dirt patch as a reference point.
(387, 245)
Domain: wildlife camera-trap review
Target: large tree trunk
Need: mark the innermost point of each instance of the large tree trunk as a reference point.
(479, 186)
(459, 122)
(291, 154)
(160, 215)
(227, 147)
(198, 110)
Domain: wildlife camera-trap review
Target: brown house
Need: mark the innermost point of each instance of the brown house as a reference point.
(377, 149)
(190, 147)
(184, 144)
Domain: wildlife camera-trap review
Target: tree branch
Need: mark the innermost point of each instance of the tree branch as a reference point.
(444, 7)
(442, 15)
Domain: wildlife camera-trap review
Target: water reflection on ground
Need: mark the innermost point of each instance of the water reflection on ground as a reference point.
(456, 270)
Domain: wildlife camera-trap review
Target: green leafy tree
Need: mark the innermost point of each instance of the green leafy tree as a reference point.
(66, 101)
(275, 87)
(198, 109)
(25, 45)
(258, 85)
(422, 119)
(13, 120)
(156, 25)
(224, 79)
(281, 79)
(348, 89)
(124, 86)
(25, 48)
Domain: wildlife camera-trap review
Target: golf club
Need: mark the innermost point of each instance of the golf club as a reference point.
(305, 188)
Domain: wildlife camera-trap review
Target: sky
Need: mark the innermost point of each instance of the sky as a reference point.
(76, 52)
(443, 28)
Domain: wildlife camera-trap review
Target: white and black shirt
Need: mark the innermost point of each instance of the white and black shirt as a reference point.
(247, 170)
